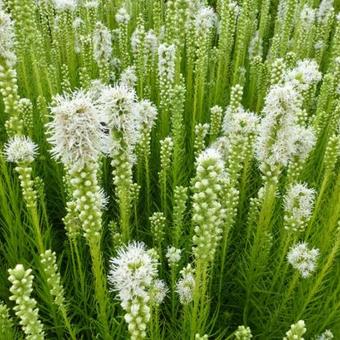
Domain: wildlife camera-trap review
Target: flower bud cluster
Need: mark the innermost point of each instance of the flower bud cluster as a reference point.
(243, 333)
(25, 309)
(6, 322)
(87, 197)
(167, 146)
(208, 213)
(296, 332)
(215, 120)
(49, 263)
(201, 132)
(158, 225)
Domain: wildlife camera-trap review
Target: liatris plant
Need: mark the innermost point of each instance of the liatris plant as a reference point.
(181, 158)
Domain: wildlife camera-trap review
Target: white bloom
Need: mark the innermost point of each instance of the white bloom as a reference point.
(123, 117)
(275, 143)
(298, 204)
(325, 8)
(166, 61)
(159, 290)
(128, 77)
(63, 5)
(186, 285)
(151, 42)
(173, 255)
(120, 107)
(304, 141)
(91, 4)
(102, 43)
(239, 124)
(7, 38)
(76, 132)
(326, 335)
(303, 259)
(307, 16)
(205, 20)
(122, 16)
(319, 45)
(305, 74)
(20, 149)
(148, 113)
(209, 156)
(132, 271)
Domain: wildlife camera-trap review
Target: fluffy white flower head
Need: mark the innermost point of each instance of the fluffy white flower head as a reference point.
(6, 38)
(298, 204)
(20, 149)
(209, 157)
(276, 141)
(128, 77)
(239, 124)
(166, 61)
(304, 141)
(173, 255)
(122, 16)
(307, 16)
(119, 105)
(303, 259)
(159, 290)
(132, 271)
(148, 113)
(305, 74)
(102, 43)
(76, 132)
(206, 19)
(186, 285)
(63, 5)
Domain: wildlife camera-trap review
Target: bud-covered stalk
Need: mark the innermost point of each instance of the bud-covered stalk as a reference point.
(25, 309)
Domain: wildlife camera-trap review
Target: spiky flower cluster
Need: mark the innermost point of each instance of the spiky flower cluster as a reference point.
(186, 285)
(20, 149)
(25, 309)
(122, 16)
(239, 126)
(119, 104)
(133, 274)
(296, 331)
(298, 204)
(243, 333)
(158, 292)
(304, 75)
(280, 136)
(208, 214)
(7, 54)
(303, 259)
(76, 131)
(102, 44)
